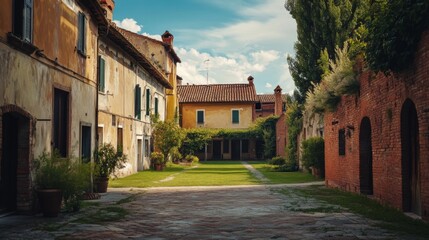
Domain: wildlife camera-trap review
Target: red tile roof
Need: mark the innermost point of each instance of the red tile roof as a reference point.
(137, 37)
(117, 35)
(217, 93)
(269, 98)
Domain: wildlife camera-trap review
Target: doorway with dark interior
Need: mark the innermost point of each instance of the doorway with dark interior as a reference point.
(365, 157)
(411, 194)
(15, 151)
(235, 149)
(217, 149)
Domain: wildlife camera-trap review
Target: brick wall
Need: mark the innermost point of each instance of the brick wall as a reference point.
(381, 99)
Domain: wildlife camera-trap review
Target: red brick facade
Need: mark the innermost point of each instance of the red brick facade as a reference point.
(388, 102)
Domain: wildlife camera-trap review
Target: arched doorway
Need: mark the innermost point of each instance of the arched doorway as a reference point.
(15, 152)
(365, 157)
(410, 158)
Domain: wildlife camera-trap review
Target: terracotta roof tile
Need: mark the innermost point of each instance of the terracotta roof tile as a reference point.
(217, 93)
(269, 98)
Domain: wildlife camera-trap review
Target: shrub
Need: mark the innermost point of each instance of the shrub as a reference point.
(313, 153)
(157, 158)
(176, 156)
(278, 161)
(107, 160)
(192, 159)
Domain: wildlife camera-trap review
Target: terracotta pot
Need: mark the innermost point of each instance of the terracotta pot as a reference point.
(101, 184)
(50, 201)
(159, 167)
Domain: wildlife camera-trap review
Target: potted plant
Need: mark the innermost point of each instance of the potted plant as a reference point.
(157, 159)
(107, 161)
(59, 179)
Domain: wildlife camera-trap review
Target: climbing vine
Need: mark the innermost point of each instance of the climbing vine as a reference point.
(394, 30)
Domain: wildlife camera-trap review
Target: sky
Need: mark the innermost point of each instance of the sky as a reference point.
(228, 39)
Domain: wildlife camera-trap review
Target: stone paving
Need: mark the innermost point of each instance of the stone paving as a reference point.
(226, 212)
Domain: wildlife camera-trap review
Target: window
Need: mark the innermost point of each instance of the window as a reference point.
(146, 148)
(147, 102)
(23, 19)
(100, 136)
(137, 102)
(200, 116)
(235, 116)
(156, 106)
(342, 142)
(81, 37)
(245, 146)
(86, 143)
(61, 121)
(101, 74)
(225, 146)
(113, 120)
(120, 142)
(258, 106)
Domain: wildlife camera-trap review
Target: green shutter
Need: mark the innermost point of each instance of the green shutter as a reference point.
(137, 102)
(81, 33)
(101, 74)
(235, 116)
(156, 106)
(200, 117)
(147, 102)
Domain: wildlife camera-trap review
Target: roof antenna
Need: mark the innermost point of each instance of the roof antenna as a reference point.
(207, 68)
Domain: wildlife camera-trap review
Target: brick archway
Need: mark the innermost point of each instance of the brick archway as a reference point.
(15, 150)
(365, 157)
(411, 191)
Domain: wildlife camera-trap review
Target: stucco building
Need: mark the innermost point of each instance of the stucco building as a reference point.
(48, 52)
(377, 143)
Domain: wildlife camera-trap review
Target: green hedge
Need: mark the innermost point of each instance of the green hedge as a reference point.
(313, 153)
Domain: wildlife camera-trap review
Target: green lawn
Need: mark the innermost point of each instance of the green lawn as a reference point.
(212, 173)
(283, 177)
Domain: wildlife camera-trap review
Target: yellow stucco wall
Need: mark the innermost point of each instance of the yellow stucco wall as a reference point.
(28, 81)
(217, 115)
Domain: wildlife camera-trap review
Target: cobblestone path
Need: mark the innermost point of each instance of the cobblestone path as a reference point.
(239, 212)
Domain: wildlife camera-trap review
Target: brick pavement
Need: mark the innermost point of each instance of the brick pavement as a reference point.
(226, 212)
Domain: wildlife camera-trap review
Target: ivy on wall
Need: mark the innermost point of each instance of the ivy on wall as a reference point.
(264, 129)
(394, 31)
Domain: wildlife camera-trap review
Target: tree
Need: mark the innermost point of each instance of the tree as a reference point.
(167, 136)
(321, 26)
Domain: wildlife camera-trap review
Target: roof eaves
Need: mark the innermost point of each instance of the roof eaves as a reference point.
(118, 37)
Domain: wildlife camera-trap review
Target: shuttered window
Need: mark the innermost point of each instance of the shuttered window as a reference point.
(23, 19)
(156, 106)
(137, 102)
(81, 38)
(147, 102)
(101, 74)
(200, 116)
(235, 116)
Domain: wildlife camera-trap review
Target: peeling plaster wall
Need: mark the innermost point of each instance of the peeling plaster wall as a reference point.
(122, 74)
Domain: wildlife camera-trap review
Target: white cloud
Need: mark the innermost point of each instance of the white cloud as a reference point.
(129, 24)
(268, 85)
(221, 69)
(157, 37)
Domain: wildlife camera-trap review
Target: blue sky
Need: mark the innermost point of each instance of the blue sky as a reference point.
(238, 37)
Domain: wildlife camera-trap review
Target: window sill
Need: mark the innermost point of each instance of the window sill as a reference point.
(20, 44)
(82, 54)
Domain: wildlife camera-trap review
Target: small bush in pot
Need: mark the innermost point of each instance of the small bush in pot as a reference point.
(107, 160)
(158, 160)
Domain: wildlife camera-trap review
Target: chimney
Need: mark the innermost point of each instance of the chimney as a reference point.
(168, 38)
(278, 104)
(250, 79)
(108, 6)
(179, 80)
